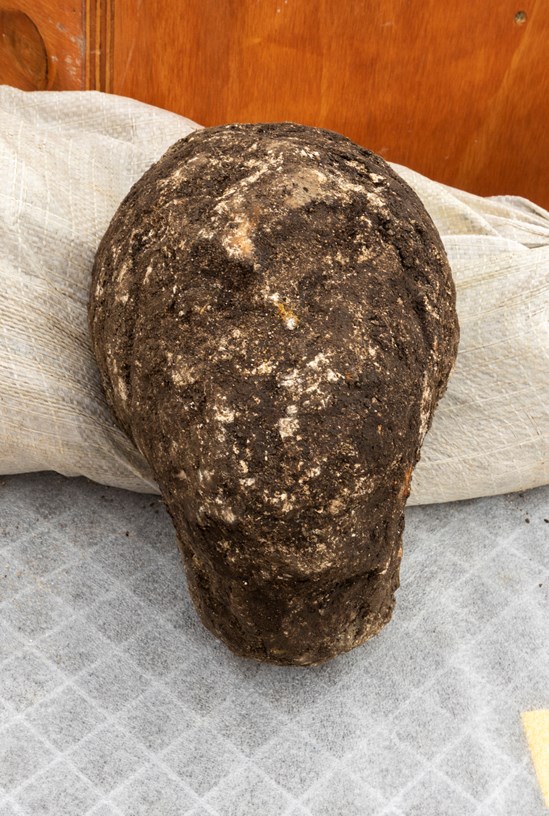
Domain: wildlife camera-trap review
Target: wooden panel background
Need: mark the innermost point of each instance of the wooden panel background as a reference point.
(42, 44)
(57, 45)
(458, 91)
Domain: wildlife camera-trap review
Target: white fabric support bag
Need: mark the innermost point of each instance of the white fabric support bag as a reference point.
(66, 162)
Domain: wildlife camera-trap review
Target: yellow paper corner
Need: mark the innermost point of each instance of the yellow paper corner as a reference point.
(536, 728)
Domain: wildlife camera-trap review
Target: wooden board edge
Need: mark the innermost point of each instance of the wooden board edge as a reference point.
(99, 38)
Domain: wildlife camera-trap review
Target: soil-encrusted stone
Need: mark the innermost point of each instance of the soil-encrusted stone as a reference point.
(273, 316)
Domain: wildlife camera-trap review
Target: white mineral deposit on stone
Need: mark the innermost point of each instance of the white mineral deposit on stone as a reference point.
(287, 426)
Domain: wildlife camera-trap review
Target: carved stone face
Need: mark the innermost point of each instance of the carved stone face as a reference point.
(273, 317)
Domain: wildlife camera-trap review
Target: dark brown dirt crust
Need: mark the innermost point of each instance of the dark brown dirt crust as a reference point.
(273, 317)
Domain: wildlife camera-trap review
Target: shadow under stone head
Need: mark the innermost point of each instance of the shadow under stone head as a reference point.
(273, 317)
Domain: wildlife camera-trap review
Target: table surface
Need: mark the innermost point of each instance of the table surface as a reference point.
(115, 700)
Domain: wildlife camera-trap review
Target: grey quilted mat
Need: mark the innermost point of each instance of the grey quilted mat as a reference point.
(115, 700)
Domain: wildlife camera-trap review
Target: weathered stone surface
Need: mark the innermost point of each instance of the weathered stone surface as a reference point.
(274, 320)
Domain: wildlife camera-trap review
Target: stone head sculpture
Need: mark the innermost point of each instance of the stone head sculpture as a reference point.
(273, 317)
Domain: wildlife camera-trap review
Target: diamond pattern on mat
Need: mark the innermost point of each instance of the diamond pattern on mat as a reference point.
(45, 550)
(435, 794)
(426, 728)
(157, 719)
(65, 717)
(335, 725)
(385, 765)
(22, 754)
(115, 701)
(477, 599)
(118, 616)
(74, 646)
(80, 584)
(10, 644)
(152, 790)
(123, 557)
(57, 790)
(26, 678)
(34, 612)
(157, 650)
(13, 578)
(288, 691)
(247, 722)
(201, 686)
(114, 682)
(464, 764)
(108, 757)
(163, 588)
(202, 758)
(247, 791)
(340, 792)
(293, 761)
(521, 794)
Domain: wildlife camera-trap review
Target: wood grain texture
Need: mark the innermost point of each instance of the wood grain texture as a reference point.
(99, 23)
(459, 92)
(42, 44)
(23, 54)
